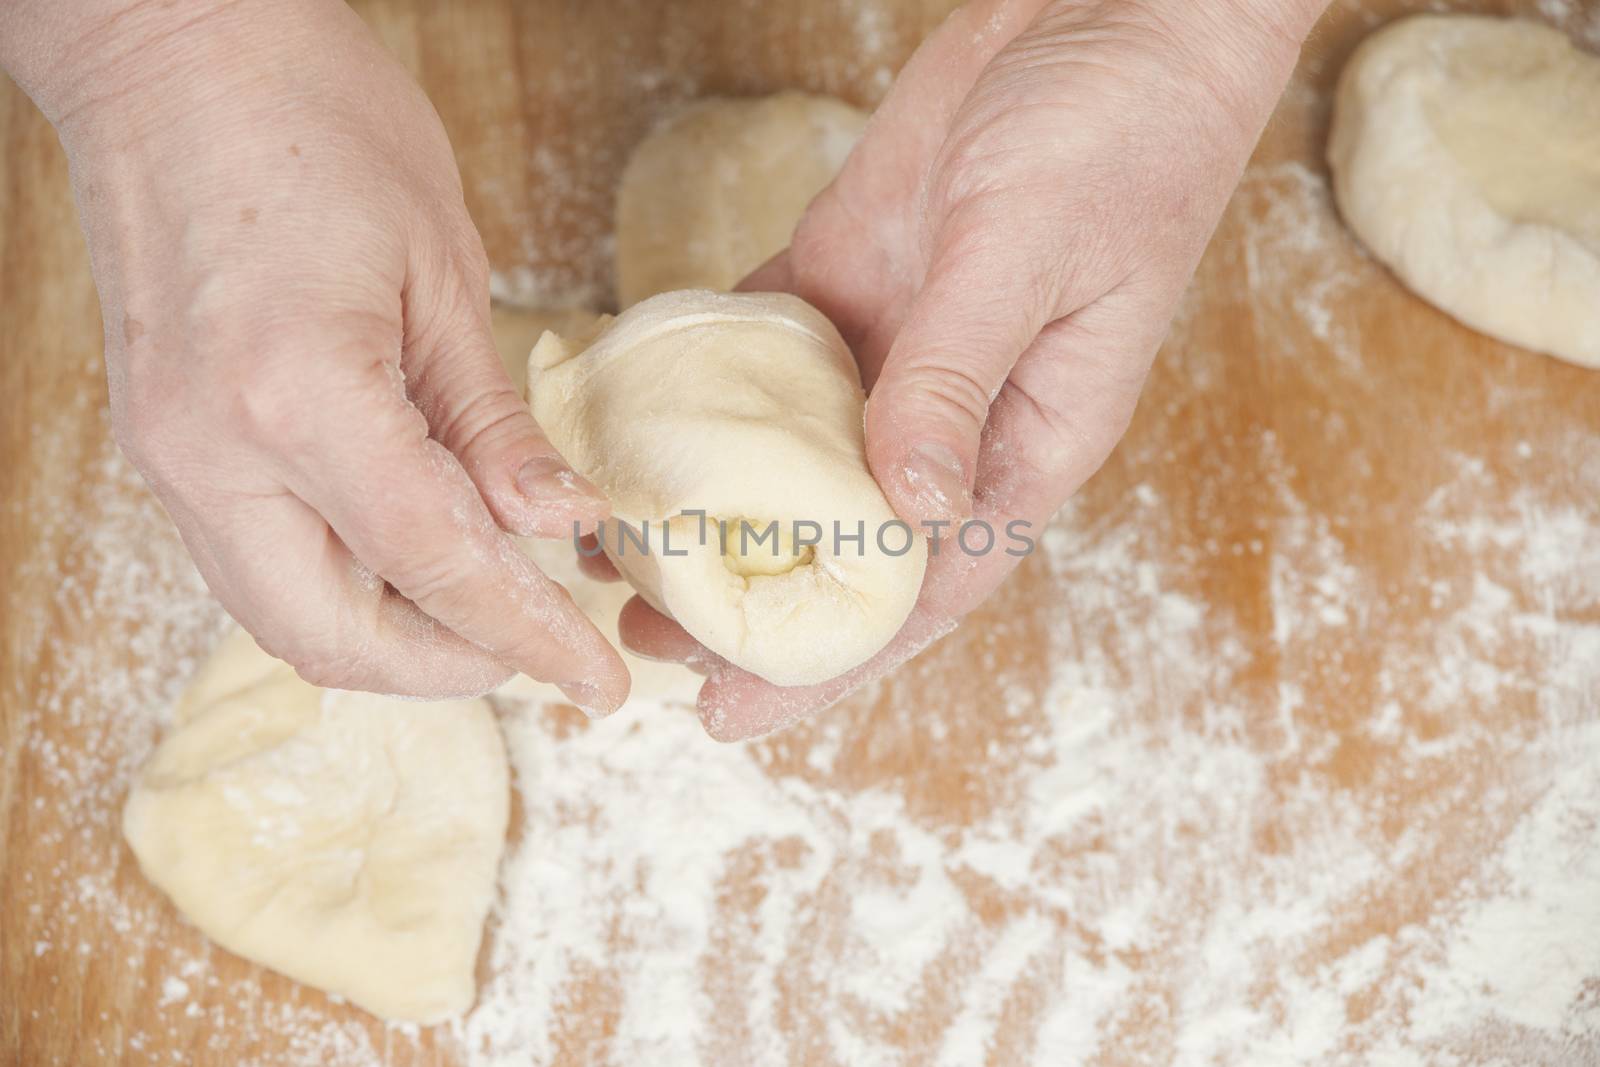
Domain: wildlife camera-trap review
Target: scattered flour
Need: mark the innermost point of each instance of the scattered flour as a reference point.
(1176, 864)
(1234, 773)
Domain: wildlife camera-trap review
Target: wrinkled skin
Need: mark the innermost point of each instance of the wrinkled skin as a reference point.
(298, 345)
(299, 352)
(1004, 252)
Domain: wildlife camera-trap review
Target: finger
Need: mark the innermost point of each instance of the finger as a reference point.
(456, 378)
(1066, 405)
(776, 275)
(735, 705)
(649, 634)
(407, 509)
(594, 563)
(959, 341)
(1054, 422)
(282, 574)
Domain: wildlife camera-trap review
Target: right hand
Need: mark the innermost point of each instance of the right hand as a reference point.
(299, 353)
(1004, 251)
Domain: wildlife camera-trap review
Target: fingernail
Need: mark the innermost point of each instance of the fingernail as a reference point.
(545, 478)
(588, 698)
(937, 482)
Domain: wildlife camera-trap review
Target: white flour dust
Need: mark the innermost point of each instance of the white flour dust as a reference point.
(1290, 783)
(1152, 872)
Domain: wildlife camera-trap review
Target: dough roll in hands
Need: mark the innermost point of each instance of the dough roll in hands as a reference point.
(1466, 155)
(747, 407)
(347, 840)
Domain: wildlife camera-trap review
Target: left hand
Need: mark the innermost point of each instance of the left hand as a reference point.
(298, 347)
(1004, 252)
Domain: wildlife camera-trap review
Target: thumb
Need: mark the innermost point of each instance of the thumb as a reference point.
(975, 314)
(776, 275)
(460, 384)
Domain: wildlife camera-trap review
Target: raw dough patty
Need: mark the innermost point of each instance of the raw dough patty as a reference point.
(747, 407)
(347, 840)
(1466, 155)
(718, 189)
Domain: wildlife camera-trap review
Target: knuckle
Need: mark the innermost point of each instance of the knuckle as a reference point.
(281, 390)
(335, 660)
(271, 404)
(436, 582)
(481, 426)
(318, 658)
(950, 390)
(329, 673)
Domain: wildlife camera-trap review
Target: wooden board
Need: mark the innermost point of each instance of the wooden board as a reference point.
(1290, 734)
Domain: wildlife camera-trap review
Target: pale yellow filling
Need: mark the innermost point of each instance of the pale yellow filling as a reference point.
(752, 548)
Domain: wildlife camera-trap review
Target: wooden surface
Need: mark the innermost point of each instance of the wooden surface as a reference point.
(1322, 637)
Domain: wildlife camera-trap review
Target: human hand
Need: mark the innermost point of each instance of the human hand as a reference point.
(298, 344)
(1004, 252)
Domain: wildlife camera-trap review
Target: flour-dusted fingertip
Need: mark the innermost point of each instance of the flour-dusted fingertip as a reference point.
(933, 483)
(547, 481)
(590, 699)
